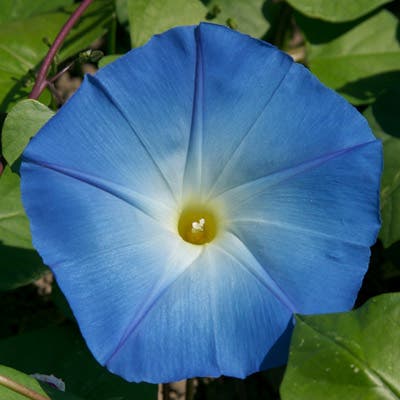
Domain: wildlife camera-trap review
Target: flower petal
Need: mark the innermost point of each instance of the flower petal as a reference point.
(236, 78)
(302, 121)
(99, 143)
(153, 87)
(311, 226)
(203, 111)
(216, 318)
(110, 259)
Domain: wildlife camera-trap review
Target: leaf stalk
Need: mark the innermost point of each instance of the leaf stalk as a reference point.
(21, 389)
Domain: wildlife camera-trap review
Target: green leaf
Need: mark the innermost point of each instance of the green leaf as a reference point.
(22, 47)
(20, 378)
(354, 355)
(61, 351)
(247, 14)
(121, 8)
(360, 61)
(22, 122)
(17, 9)
(20, 264)
(29, 382)
(14, 228)
(108, 59)
(384, 119)
(94, 23)
(337, 10)
(149, 17)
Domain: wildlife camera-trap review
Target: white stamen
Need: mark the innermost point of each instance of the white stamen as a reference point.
(198, 226)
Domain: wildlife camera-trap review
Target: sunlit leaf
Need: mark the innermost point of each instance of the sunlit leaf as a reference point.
(121, 8)
(39, 388)
(93, 24)
(361, 61)
(250, 16)
(337, 10)
(148, 17)
(108, 59)
(12, 375)
(22, 47)
(354, 355)
(22, 122)
(17, 9)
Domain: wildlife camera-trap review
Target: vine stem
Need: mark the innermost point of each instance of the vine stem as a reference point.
(21, 389)
(189, 395)
(165, 391)
(41, 80)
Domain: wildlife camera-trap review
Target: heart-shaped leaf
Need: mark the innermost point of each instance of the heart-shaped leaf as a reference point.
(337, 10)
(354, 355)
(21, 123)
(360, 60)
(148, 17)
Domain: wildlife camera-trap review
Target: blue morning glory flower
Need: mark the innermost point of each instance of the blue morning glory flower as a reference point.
(196, 193)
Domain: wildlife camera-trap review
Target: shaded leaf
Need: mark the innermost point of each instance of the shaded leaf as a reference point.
(121, 8)
(384, 119)
(346, 355)
(148, 17)
(61, 351)
(383, 275)
(27, 309)
(262, 385)
(93, 24)
(352, 54)
(22, 47)
(22, 122)
(247, 14)
(18, 9)
(338, 10)
(14, 229)
(61, 302)
(20, 264)
(58, 395)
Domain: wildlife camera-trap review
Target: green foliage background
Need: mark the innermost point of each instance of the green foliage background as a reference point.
(351, 46)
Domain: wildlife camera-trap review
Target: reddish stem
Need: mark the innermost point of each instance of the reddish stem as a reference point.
(62, 72)
(41, 80)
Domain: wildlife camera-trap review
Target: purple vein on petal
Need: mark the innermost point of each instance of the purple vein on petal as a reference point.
(96, 83)
(175, 269)
(250, 129)
(295, 228)
(151, 208)
(212, 316)
(238, 251)
(192, 176)
(253, 187)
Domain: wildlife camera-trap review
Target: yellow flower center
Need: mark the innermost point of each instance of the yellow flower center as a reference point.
(197, 224)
